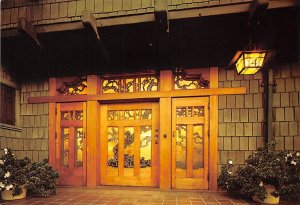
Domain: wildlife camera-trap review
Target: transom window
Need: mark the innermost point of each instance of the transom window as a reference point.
(7, 104)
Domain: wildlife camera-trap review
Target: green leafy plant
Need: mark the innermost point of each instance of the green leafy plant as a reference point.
(278, 168)
(42, 179)
(13, 172)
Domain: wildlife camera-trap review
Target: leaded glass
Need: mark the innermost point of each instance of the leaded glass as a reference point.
(65, 115)
(112, 146)
(128, 151)
(145, 146)
(78, 146)
(149, 84)
(110, 86)
(113, 115)
(181, 151)
(65, 146)
(146, 114)
(129, 85)
(180, 111)
(198, 146)
(78, 115)
(129, 114)
(198, 111)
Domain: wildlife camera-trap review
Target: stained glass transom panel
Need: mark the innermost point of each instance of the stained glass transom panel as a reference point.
(145, 114)
(130, 84)
(189, 111)
(185, 81)
(72, 115)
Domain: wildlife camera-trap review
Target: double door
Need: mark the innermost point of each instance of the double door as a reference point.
(129, 144)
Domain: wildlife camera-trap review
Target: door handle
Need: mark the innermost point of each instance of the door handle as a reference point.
(156, 139)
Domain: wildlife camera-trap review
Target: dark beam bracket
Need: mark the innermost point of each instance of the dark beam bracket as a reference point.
(89, 22)
(26, 27)
(257, 10)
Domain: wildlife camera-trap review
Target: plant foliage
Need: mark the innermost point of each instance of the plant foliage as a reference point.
(263, 167)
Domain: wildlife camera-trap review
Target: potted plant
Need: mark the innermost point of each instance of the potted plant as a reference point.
(266, 176)
(13, 176)
(42, 179)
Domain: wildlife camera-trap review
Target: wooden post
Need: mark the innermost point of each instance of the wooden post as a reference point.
(165, 137)
(52, 124)
(213, 132)
(92, 133)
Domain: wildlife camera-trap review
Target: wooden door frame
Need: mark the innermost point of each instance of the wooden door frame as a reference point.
(165, 95)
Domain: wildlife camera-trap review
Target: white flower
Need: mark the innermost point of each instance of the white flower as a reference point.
(230, 161)
(2, 185)
(293, 162)
(297, 154)
(285, 158)
(261, 184)
(6, 175)
(5, 150)
(8, 187)
(1, 161)
(229, 172)
(289, 155)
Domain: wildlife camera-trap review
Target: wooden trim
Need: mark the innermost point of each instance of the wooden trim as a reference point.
(149, 17)
(52, 124)
(140, 95)
(213, 132)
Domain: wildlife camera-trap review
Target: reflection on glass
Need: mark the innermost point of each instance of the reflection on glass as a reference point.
(110, 86)
(65, 146)
(145, 146)
(129, 115)
(112, 146)
(146, 114)
(128, 147)
(78, 146)
(78, 115)
(181, 146)
(198, 146)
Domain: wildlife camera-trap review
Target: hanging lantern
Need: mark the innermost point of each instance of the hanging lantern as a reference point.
(249, 62)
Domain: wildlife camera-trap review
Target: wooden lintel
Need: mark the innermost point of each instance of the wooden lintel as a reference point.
(140, 95)
(148, 17)
(26, 27)
(89, 22)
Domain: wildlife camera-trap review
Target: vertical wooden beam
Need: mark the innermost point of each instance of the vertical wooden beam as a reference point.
(52, 124)
(213, 132)
(165, 137)
(92, 133)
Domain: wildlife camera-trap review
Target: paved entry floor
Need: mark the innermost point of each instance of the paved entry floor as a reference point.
(130, 196)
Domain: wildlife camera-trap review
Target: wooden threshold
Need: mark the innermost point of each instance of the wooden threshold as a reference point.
(141, 95)
(149, 17)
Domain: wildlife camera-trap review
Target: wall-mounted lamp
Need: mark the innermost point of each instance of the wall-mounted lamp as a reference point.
(249, 62)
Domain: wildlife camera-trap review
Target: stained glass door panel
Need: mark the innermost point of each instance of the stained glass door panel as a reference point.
(70, 143)
(129, 144)
(190, 143)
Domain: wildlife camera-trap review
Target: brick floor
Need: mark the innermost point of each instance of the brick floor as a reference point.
(130, 196)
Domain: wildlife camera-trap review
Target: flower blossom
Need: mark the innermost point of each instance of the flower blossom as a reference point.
(6, 175)
(261, 184)
(5, 150)
(2, 185)
(8, 187)
(230, 161)
(298, 154)
(1, 161)
(293, 162)
(289, 155)
(229, 172)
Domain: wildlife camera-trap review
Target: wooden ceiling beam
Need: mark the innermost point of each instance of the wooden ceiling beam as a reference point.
(89, 22)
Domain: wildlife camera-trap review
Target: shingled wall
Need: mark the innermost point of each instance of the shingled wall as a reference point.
(241, 116)
(55, 11)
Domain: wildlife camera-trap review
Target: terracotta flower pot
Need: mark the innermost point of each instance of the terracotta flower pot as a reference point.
(8, 194)
(270, 198)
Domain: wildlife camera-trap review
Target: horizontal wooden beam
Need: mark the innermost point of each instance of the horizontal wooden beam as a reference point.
(148, 17)
(137, 96)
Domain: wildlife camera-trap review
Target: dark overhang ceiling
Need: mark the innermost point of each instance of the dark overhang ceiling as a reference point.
(194, 42)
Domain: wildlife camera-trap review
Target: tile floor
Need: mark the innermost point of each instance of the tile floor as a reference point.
(130, 196)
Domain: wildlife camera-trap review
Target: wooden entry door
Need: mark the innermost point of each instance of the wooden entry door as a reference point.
(71, 143)
(190, 143)
(129, 144)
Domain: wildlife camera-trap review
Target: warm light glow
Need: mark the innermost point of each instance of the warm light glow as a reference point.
(250, 62)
